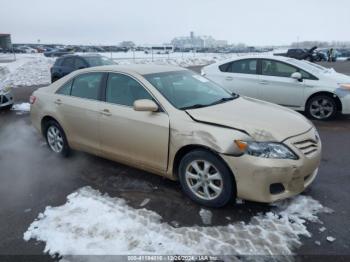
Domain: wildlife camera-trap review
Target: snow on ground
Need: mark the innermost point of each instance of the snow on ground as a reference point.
(93, 224)
(21, 107)
(206, 216)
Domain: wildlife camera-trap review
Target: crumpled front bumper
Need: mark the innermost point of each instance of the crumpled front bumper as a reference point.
(268, 180)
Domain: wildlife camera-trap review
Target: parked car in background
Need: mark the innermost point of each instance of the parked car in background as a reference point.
(302, 54)
(27, 49)
(69, 63)
(6, 97)
(312, 54)
(299, 85)
(58, 52)
(18, 50)
(178, 124)
(321, 55)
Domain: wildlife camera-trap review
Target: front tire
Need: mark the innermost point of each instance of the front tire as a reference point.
(206, 179)
(56, 138)
(321, 107)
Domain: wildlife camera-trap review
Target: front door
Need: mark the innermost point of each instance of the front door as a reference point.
(128, 135)
(277, 86)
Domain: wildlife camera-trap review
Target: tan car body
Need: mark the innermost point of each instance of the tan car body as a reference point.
(154, 141)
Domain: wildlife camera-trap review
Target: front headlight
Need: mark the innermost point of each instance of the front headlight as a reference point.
(266, 149)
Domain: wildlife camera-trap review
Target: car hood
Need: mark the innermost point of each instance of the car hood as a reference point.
(261, 120)
(337, 77)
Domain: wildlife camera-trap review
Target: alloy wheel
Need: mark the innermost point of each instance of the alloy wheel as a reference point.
(204, 180)
(321, 108)
(55, 139)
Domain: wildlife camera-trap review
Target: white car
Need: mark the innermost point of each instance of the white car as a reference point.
(299, 85)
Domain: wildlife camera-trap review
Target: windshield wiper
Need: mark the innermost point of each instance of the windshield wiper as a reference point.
(193, 106)
(224, 99)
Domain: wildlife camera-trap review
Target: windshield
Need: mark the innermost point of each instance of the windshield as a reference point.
(99, 61)
(186, 90)
(312, 67)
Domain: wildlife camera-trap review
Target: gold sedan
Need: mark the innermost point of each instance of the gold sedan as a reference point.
(178, 124)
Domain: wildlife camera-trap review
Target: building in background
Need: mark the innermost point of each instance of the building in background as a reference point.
(193, 41)
(5, 41)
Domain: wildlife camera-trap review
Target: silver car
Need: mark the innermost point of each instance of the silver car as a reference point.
(6, 97)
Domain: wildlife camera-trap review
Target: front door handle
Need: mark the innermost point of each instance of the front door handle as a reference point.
(106, 112)
(58, 102)
(229, 78)
(264, 82)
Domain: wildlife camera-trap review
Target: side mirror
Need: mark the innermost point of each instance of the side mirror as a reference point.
(145, 105)
(297, 76)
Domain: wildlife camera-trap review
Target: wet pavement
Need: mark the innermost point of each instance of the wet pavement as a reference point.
(33, 178)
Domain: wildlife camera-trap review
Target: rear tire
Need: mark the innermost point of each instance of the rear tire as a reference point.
(56, 138)
(321, 107)
(206, 179)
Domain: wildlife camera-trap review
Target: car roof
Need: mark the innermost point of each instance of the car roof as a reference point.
(260, 56)
(140, 69)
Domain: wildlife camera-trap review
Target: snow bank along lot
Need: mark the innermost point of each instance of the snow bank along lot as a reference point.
(94, 224)
(34, 69)
(27, 70)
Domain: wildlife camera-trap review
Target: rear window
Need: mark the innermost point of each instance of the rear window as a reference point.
(58, 61)
(99, 60)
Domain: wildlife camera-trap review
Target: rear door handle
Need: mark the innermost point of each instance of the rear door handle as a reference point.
(58, 102)
(106, 112)
(264, 82)
(229, 78)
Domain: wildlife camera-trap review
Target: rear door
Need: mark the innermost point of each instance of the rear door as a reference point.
(77, 105)
(241, 77)
(277, 86)
(128, 135)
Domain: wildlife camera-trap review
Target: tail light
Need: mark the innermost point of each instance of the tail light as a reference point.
(32, 99)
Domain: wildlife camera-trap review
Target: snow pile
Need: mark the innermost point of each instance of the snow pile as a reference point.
(21, 107)
(94, 224)
(179, 59)
(35, 71)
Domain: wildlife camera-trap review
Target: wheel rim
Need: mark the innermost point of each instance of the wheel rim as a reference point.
(55, 139)
(204, 180)
(321, 108)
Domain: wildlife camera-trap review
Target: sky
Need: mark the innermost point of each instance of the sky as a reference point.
(253, 22)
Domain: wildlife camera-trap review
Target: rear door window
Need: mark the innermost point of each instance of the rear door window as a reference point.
(245, 66)
(87, 86)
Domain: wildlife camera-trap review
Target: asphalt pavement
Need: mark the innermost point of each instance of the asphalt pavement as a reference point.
(33, 178)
